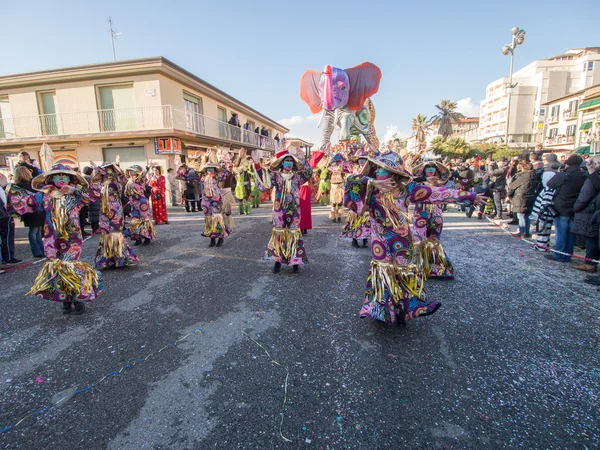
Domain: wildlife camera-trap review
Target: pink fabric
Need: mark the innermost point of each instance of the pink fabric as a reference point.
(305, 208)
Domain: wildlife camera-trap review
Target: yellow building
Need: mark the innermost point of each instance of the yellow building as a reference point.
(143, 109)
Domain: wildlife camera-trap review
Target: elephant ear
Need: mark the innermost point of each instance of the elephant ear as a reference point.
(309, 90)
(364, 82)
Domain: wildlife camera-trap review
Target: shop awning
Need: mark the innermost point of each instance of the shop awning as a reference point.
(589, 104)
(585, 126)
(583, 150)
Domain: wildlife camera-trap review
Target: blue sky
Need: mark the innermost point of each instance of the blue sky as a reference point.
(257, 51)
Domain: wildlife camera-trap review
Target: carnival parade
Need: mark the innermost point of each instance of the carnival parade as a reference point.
(181, 271)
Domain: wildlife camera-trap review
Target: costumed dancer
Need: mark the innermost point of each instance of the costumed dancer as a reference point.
(114, 251)
(211, 175)
(226, 183)
(189, 177)
(428, 224)
(286, 174)
(337, 167)
(140, 229)
(357, 226)
(63, 278)
(324, 185)
(243, 178)
(395, 291)
(254, 192)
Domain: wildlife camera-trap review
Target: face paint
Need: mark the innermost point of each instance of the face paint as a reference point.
(430, 171)
(382, 174)
(61, 180)
(362, 162)
(288, 165)
(210, 170)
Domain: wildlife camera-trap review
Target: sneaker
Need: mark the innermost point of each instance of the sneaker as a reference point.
(584, 266)
(594, 281)
(552, 258)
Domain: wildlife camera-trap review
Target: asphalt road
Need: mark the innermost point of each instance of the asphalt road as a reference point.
(174, 353)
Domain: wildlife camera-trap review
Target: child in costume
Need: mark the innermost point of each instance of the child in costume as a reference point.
(114, 251)
(395, 291)
(286, 174)
(228, 199)
(140, 229)
(428, 224)
(211, 175)
(63, 278)
(243, 178)
(337, 167)
(324, 186)
(357, 226)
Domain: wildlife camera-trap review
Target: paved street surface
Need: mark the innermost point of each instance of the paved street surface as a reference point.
(173, 355)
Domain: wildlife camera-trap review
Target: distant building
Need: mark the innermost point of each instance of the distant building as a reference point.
(537, 84)
(140, 109)
(467, 129)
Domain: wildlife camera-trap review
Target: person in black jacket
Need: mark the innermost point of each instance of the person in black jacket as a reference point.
(522, 191)
(34, 221)
(7, 229)
(585, 209)
(498, 185)
(95, 206)
(567, 184)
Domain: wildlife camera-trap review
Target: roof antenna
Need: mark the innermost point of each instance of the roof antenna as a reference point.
(113, 35)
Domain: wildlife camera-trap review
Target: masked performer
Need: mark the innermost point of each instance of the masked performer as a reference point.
(243, 178)
(337, 168)
(107, 183)
(357, 226)
(228, 199)
(63, 278)
(286, 174)
(211, 175)
(395, 291)
(140, 228)
(428, 224)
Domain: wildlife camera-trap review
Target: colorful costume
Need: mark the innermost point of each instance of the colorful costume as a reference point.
(428, 224)
(159, 199)
(286, 245)
(395, 291)
(338, 167)
(107, 183)
(324, 187)
(357, 226)
(63, 278)
(211, 175)
(243, 178)
(140, 228)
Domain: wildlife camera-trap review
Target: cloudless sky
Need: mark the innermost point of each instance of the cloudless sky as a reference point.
(258, 50)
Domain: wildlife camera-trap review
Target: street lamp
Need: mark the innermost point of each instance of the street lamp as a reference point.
(518, 37)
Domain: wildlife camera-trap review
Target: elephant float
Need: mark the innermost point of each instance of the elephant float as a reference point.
(345, 93)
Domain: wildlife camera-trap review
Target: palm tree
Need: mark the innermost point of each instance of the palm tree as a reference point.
(446, 116)
(420, 128)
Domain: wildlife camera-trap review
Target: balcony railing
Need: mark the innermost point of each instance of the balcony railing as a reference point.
(557, 140)
(128, 120)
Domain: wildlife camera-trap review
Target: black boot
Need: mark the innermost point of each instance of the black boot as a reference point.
(355, 243)
(146, 241)
(295, 268)
(220, 242)
(66, 308)
(480, 216)
(339, 219)
(137, 242)
(79, 308)
(277, 267)
(212, 242)
(365, 241)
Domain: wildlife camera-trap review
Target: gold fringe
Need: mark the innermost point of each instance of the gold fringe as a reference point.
(395, 279)
(389, 205)
(355, 222)
(212, 224)
(229, 222)
(112, 245)
(284, 242)
(60, 218)
(425, 253)
(64, 275)
(106, 197)
(138, 226)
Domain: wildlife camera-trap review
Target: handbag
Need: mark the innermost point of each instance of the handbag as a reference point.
(158, 196)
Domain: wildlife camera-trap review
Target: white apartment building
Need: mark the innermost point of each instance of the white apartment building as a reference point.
(537, 84)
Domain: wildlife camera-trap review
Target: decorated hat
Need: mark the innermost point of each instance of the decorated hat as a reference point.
(360, 154)
(135, 168)
(419, 170)
(280, 156)
(213, 165)
(390, 161)
(336, 158)
(58, 169)
(108, 170)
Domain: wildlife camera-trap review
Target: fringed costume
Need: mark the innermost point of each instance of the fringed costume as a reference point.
(337, 167)
(395, 291)
(63, 278)
(140, 227)
(428, 224)
(211, 175)
(107, 184)
(357, 226)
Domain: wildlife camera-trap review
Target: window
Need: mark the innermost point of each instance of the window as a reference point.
(555, 111)
(542, 111)
(589, 65)
(117, 104)
(129, 156)
(7, 129)
(571, 130)
(48, 110)
(193, 113)
(573, 106)
(222, 116)
(553, 132)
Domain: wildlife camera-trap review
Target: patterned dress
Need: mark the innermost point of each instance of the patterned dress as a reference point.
(140, 225)
(113, 250)
(212, 205)
(286, 245)
(429, 251)
(63, 278)
(395, 289)
(357, 226)
(159, 199)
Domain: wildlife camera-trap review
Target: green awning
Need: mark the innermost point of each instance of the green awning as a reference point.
(585, 126)
(589, 104)
(583, 150)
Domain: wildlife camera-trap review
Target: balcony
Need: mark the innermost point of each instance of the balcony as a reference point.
(113, 122)
(569, 115)
(552, 119)
(559, 140)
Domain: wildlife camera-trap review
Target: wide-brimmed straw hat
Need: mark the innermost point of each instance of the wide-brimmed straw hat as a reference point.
(58, 169)
(108, 169)
(135, 168)
(419, 170)
(280, 156)
(213, 165)
(361, 154)
(390, 161)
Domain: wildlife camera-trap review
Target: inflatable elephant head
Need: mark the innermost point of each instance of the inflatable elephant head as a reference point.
(345, 92)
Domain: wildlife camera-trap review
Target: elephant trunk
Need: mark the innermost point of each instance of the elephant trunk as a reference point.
(327, 120)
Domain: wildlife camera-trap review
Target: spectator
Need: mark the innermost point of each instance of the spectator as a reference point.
(585, 209)
(523, 191)
(543, 213)
(173, 186)
(536, 162)
(7, 229)
(568, 184)
(34, 221)
(159, 203)
(95, 206)
(497, 185)
(550, 162)
(234, 121)
(31, 164)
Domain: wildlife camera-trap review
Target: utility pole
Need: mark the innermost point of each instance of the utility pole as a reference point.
(113, 35)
